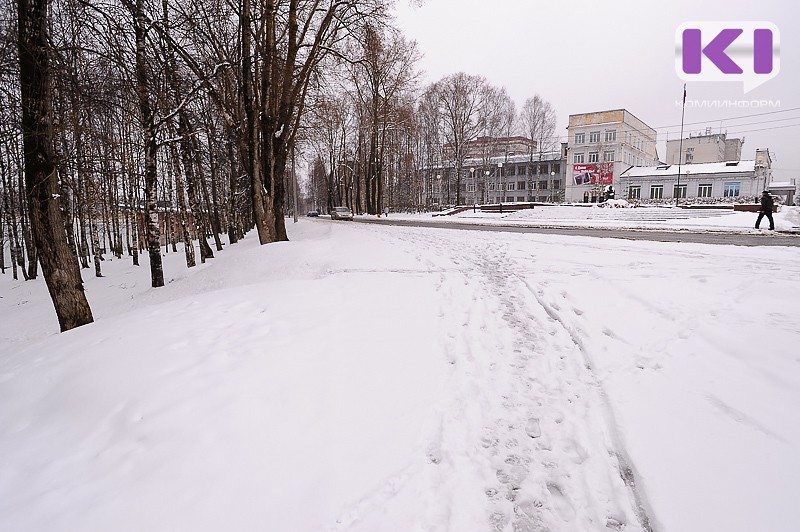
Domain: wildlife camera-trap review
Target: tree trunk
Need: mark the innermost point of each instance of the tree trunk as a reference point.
(189, 154)
(216, 226)
(60, 270)
(150, 149)
(188, 246)
(232, 190)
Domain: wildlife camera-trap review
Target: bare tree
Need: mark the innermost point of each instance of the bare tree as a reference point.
(459, 98)
(430, 134)
(383, 72)
(59, 266)
(538, 120)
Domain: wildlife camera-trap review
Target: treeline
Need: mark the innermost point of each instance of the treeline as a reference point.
(376, 138)
(131, 125)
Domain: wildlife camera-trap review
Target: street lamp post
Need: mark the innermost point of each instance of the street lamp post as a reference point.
(439, 178)
(502, 188)
(552, 179)
(474, 189)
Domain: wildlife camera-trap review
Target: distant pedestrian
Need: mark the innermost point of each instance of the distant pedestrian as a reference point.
(386, 212)
(766, 210)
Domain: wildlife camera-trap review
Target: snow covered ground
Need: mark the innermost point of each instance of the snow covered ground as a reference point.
(595, 216)
(383, 378)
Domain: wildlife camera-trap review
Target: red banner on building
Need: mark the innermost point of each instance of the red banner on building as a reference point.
(593, 174)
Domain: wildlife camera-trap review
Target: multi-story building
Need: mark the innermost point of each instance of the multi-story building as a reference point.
(600, 146)
(504, 179)
(704, 148)
(482, 147)
(727, 180)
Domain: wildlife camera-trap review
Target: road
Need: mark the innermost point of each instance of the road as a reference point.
(656, 235)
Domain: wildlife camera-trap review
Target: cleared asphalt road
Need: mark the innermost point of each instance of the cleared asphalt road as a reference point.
(774, 238)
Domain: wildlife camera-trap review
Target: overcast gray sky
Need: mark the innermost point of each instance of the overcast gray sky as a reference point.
(584, 55)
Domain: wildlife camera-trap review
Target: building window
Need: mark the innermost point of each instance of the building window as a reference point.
(689, 158)
(542, 185)
(556, 184)
(679, 191)
(594, 157)
(542, 168)
(656, 191)
(520, 185)
(704, 191)
(732, 189)
(491, 186)
(471, 187)
(520, 170)
(556, 168)
(594, 136)
(520, 198)
(510, 186)
(608, 156)
(635, 192)
(580, 138)
(577, 158)
(611, 135)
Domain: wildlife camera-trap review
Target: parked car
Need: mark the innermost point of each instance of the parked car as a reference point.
(312, 213)
(341, 213)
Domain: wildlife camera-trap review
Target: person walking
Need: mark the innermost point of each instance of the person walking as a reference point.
(386, 212)
(766, 210)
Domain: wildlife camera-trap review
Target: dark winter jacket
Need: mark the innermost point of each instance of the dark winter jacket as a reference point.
(766, 203)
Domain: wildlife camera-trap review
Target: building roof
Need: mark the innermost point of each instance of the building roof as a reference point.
(546, 156)
(607, 111)
(478, 162)
(729, 167)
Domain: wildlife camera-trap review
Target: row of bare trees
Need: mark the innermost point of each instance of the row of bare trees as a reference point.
(132, 125)
(377, 139)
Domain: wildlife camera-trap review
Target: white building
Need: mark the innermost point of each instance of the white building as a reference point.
(704, 148)
(600, 146)
(727, 180)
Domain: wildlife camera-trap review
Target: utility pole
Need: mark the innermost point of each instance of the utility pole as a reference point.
(680, 149)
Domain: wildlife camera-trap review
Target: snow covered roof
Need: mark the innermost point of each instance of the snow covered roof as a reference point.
(480, 162)
(545, 156)
(728, 167)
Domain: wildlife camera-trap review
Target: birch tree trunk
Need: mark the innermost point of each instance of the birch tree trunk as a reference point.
(150, 149)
